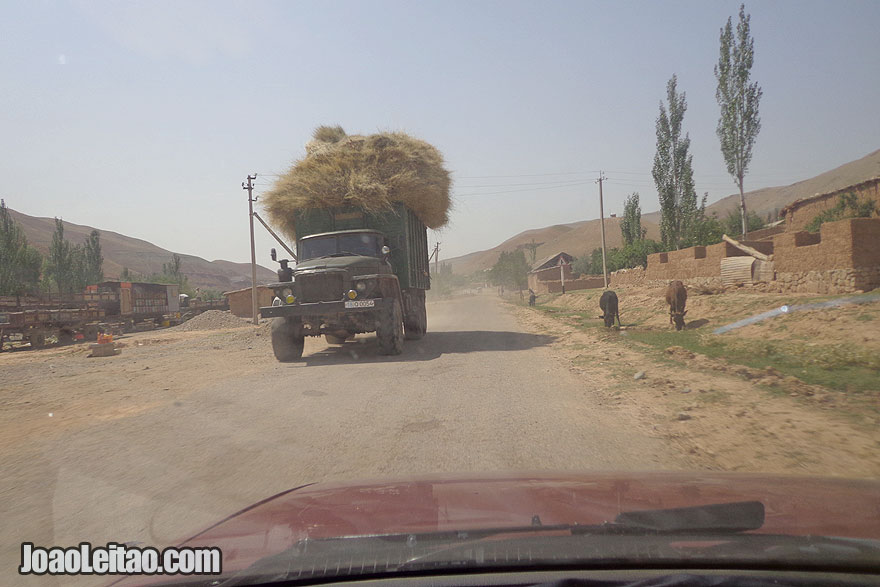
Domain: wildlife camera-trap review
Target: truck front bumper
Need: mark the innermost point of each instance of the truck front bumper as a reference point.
(324, 308)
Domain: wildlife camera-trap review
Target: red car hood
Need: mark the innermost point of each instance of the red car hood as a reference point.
(793, 505)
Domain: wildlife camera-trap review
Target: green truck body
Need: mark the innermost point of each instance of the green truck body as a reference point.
(357, 271)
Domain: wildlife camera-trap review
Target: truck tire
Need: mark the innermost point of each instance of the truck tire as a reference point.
(90, 332)
(37, 340)
(416, 322)
(287, 340)
(389, 330)
(331, 339)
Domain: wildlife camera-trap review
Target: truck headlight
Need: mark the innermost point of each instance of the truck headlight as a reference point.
(290, 299)
(352, 294)
(360, 286)
(286, 292)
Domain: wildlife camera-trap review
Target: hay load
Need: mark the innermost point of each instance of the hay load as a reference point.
(370, 172)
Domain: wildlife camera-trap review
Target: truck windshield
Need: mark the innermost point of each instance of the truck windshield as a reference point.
(366, 243)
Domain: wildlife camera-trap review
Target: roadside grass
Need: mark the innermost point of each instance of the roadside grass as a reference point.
(839, 367)
(844, 367)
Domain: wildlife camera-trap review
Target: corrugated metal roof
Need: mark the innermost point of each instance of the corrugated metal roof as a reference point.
(736, 270)
(552, 261)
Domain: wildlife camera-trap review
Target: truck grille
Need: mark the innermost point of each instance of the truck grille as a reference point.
(319, 287)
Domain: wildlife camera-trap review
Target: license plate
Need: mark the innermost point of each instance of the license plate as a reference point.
(360, 304)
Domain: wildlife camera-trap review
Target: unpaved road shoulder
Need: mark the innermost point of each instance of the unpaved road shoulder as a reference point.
(718, 419)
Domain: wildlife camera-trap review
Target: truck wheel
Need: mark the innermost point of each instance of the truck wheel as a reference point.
(331, 339)
(287, 340)
(90, 332)
(389, 330)
(417, 322)
(37, 340)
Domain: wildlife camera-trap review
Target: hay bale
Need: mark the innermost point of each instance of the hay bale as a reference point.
(369, 172)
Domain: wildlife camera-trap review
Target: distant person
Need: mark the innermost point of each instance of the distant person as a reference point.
(532, 297)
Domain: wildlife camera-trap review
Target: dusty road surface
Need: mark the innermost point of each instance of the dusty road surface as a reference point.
(185, 426)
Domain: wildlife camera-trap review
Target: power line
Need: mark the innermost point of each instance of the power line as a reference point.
(500, 185)
(525, 189)
(527, 175)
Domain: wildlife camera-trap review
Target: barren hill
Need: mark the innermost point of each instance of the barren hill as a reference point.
(577, 238)
(583, 236)
(143, 257)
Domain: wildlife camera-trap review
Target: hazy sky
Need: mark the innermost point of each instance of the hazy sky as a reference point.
(145, 117)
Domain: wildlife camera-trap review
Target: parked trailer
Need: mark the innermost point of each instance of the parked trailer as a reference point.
(37, 326)
(115, 306)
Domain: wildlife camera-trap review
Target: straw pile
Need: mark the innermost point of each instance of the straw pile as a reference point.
(369, 172)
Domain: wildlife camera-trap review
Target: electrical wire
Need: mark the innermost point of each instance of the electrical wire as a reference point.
(527, 175)
(525, 189)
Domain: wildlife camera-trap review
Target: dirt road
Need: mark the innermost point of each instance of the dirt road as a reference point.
(183, 428)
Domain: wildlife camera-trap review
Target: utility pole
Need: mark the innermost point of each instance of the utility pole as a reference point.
(250, 190)
(436, 255)
(602, 224)
(562, 273)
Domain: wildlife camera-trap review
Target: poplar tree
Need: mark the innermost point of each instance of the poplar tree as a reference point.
(738, 98)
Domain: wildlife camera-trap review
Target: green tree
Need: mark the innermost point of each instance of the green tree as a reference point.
(739, 123)
(20, 263)
(172, 272)
(511, 270)
(631, 223)
(172, 269)
(732, 224)
(532, 248)
(632, 255)
(707, 231)
(673, 170)
(59, 263)
(78, 269)
(94, 260)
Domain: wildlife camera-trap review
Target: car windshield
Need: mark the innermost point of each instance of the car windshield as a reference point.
(364, 243)
(388, 288)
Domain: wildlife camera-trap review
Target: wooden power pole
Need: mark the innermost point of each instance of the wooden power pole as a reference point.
(602, 225)
(436, 255)
(250, 190)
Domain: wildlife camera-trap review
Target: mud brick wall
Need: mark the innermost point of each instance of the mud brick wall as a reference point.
(240, 300)
(844, 244)
(580, 283)
(634, 276)
(830, 281)
(698, 261)
(866, 242)
(800, 213)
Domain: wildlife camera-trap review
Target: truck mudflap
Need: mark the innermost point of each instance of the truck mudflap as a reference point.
(325, 308)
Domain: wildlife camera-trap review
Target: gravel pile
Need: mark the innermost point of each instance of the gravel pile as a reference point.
(213, 320)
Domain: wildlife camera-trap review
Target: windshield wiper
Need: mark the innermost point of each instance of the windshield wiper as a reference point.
(724, 518)
(407, 550)
(340, 254)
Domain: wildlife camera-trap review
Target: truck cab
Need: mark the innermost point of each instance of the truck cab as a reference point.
(368, 278)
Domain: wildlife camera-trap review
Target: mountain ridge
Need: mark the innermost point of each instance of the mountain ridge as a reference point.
(582, 236)
(142, 256)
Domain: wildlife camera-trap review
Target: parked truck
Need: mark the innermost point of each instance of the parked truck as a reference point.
(356, 272)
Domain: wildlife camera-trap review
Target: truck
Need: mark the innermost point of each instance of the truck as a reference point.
(356, 271)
